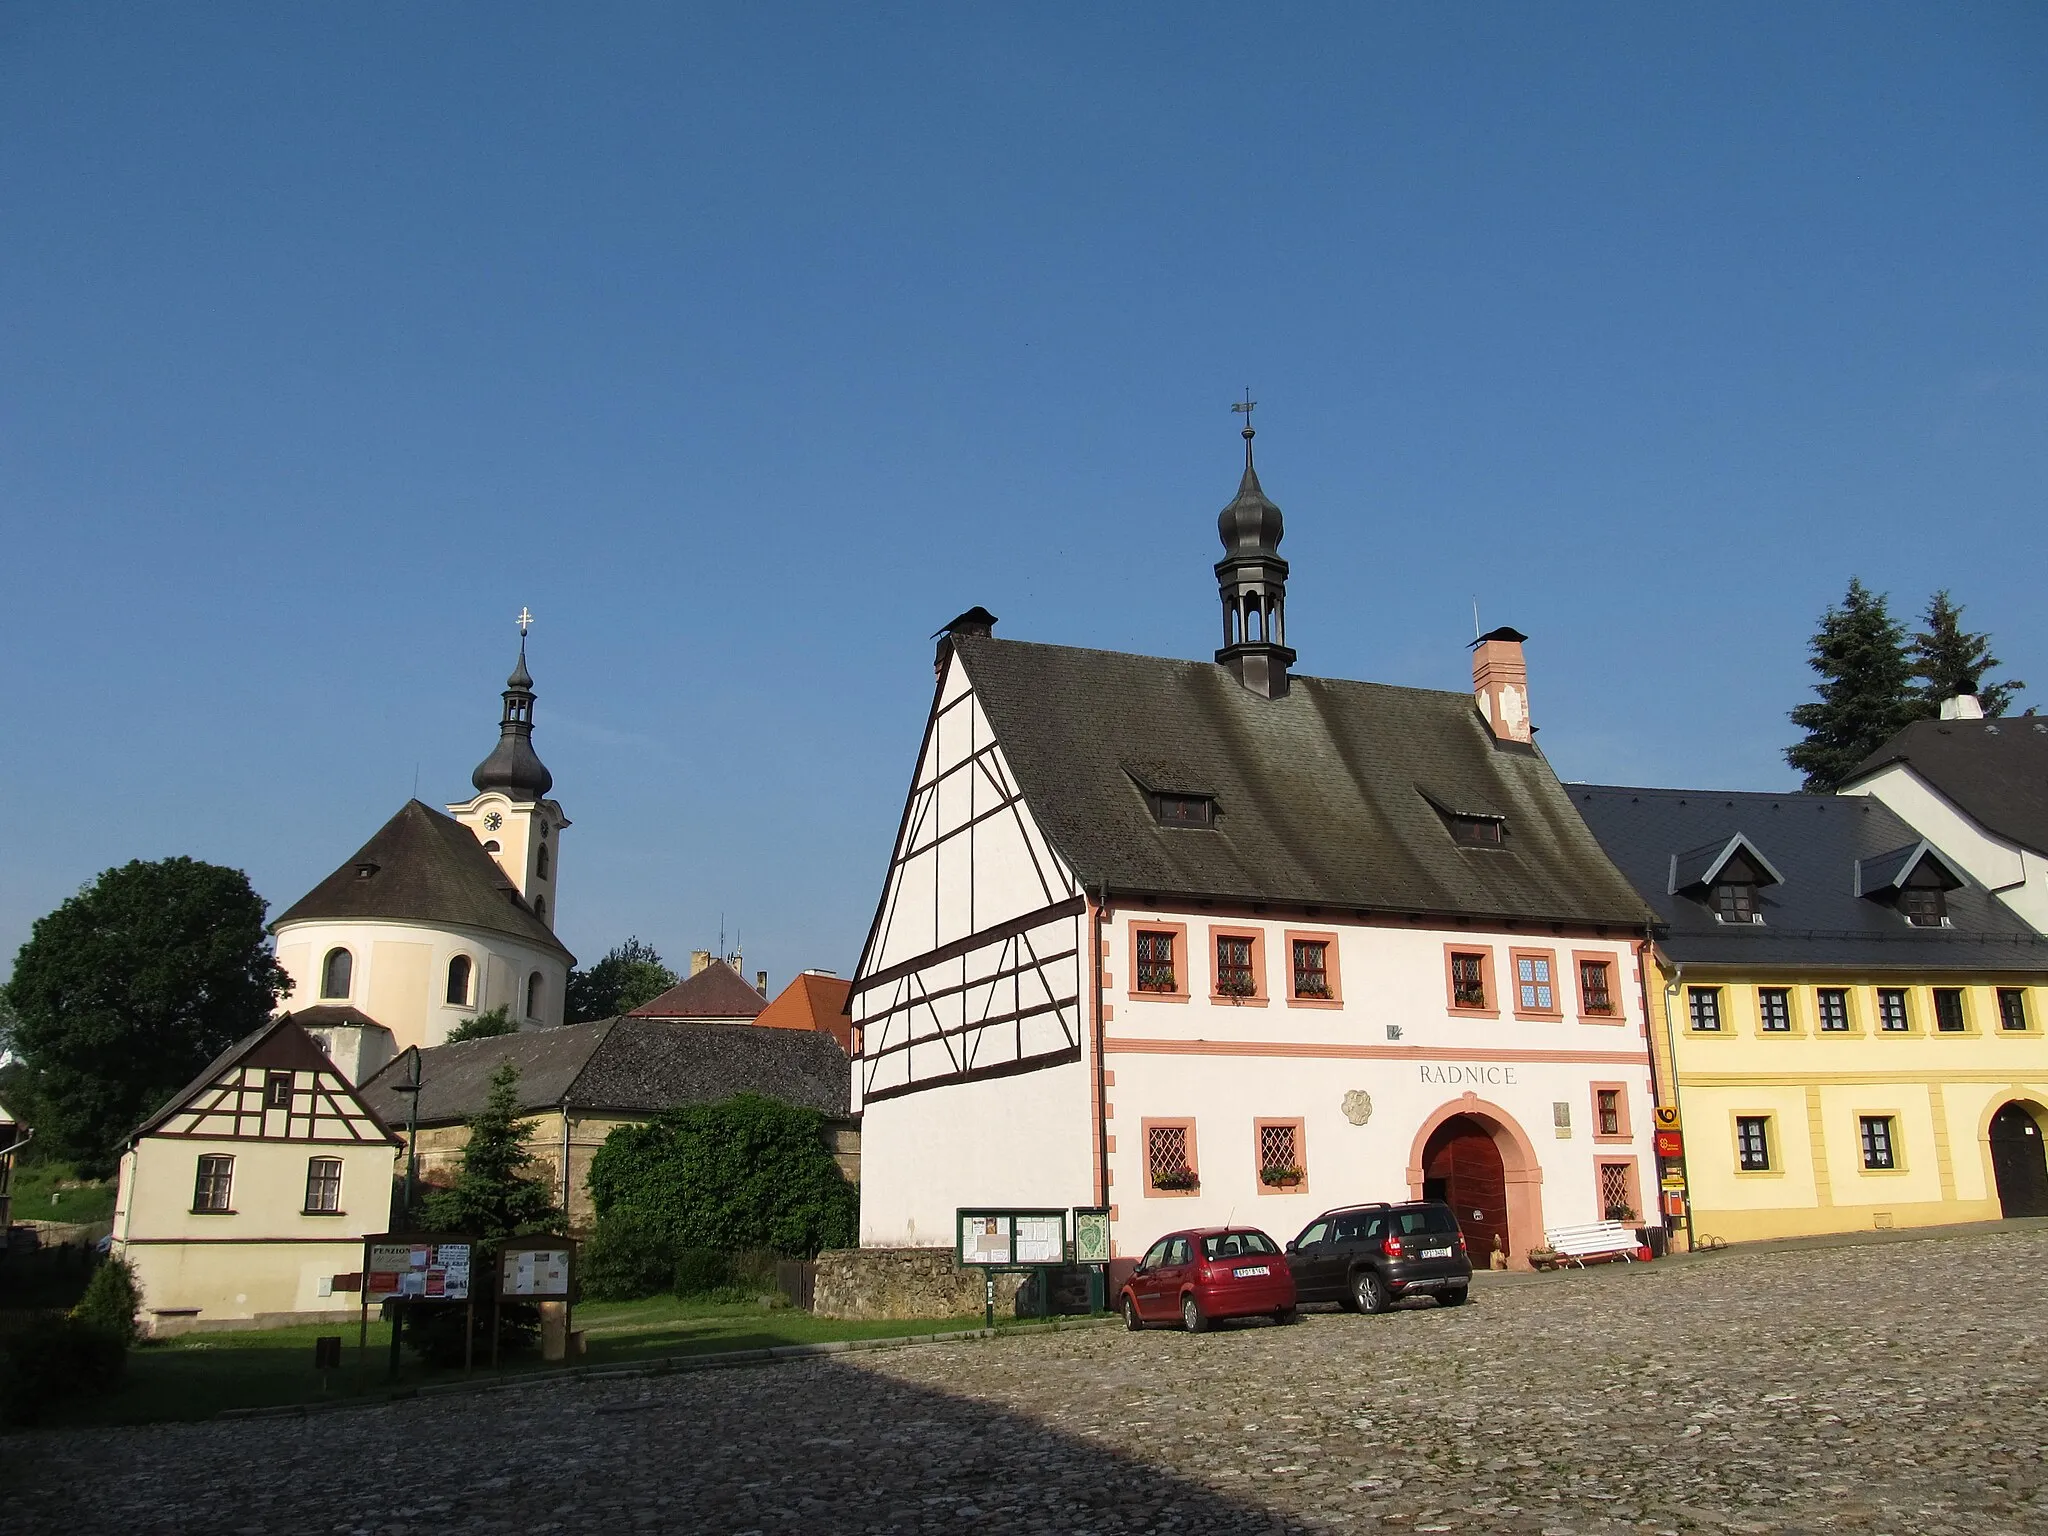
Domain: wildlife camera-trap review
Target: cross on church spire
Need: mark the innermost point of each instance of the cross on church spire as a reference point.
(526, 618)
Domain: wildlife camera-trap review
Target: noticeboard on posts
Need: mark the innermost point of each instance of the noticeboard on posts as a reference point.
(401, 1267)
(534, 1271)
(1011, 1239)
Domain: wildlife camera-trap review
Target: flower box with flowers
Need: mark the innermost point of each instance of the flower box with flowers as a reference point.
(1176, 1179)
(1280, 1176)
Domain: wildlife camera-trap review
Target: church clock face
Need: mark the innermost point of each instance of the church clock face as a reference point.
(493, 821)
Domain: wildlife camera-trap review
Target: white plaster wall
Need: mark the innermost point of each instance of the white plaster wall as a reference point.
(2018, 876)
(501, 966)
(1226, 1065)
(1346, 1164)
(1022, 1140)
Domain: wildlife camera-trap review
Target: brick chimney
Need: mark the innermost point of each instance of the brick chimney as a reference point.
(699, 958)
(761, 982)
(1500, 684)
(1964, 706)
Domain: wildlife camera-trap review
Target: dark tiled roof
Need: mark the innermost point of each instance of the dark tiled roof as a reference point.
(1813, 917)
(635, 1066)
(280, 1043)
(425, 868)
(1994, 771)
(1324, 796)
(716, 992)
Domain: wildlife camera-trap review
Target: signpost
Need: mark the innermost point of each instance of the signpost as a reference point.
(1027, 1239)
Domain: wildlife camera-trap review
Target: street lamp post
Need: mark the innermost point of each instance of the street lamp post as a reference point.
(411, 1090)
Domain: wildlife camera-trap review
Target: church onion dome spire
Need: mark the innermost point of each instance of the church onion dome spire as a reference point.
(1251, 522)
(513, 768)
(1251, 578)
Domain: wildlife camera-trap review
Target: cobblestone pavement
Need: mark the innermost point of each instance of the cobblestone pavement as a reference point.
(1879, 1389)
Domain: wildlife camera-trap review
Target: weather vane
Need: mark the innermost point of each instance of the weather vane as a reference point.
(1244, 407)
(525, 621)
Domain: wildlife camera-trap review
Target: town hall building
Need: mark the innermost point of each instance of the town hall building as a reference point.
(1214, 941)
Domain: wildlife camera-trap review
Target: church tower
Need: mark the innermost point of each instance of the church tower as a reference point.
(512, 816)
(1252, 579)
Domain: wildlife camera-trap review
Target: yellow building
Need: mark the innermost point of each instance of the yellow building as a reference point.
(245, 1195)
(1849, 1027)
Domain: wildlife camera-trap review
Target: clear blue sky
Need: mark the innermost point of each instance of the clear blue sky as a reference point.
(748, 344)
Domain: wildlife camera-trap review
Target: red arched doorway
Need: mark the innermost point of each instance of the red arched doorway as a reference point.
(1461, 1166)
(2019, 1163)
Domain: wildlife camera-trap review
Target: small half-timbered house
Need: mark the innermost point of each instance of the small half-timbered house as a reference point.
(251, 1189)
(1203, 941)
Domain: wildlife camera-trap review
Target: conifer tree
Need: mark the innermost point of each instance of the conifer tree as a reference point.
(1866, 689)
(1950, 660)
(495, 1193)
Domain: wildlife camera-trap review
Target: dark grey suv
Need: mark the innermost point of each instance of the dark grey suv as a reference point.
(1369, 1256)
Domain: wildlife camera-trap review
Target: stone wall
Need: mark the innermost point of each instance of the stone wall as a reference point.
(904, 1282)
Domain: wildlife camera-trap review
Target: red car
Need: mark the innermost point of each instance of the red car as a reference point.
(1200, 1277)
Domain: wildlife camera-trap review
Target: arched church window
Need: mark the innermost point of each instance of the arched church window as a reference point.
(540, 906)
(540, 866)
(491, 847)
(458, 981)
(336, 972)
(533, 985)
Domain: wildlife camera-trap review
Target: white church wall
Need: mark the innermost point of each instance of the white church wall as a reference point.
(399, 975)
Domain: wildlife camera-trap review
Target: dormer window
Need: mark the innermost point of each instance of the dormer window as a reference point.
(1924, 906)
(1477, 831)
(1727, 878)
(1914, 882)
(1734, 901)
(1184, 810)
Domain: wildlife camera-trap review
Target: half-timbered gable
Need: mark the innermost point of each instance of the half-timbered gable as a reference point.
(974, 963)
(281, 1087)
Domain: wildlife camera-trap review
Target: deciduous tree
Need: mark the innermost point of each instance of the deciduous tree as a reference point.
(129, 988)
(631, 974)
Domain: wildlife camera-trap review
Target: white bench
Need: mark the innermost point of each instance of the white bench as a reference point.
(1595, 1240)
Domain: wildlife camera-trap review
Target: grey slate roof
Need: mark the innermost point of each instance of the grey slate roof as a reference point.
(1325, 796)
(425, 868)
(1994, 771)
(716, 992)
(625, 1065)
(1813, 918)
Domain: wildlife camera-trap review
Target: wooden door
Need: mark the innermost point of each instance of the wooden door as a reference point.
(2019, 1163)
(1462, 1159)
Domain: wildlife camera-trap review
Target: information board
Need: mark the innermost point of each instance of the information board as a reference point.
(1091, 1235)
(534, 1272)
(416, 1269)
(1011, 1239)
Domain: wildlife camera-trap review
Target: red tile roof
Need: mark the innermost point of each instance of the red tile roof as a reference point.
(813, 1002)
(717, 993)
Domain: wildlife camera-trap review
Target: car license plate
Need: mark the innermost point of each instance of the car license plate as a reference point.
(1254, 1269)
(1436, 1253)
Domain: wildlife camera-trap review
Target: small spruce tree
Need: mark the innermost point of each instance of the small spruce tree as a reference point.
(1866, 692)
(1950, 660)
(495, 1193)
